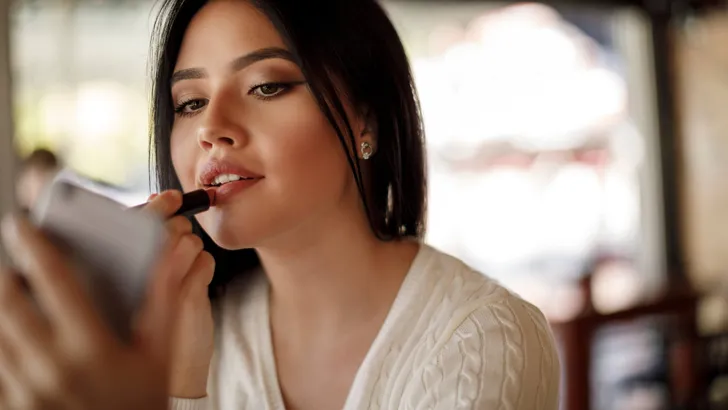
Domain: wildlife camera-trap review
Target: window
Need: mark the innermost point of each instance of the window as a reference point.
(80, 87)
(537, 160)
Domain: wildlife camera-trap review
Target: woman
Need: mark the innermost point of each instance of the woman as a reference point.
(303, 117)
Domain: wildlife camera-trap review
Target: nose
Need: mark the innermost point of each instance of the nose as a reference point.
(219, 128)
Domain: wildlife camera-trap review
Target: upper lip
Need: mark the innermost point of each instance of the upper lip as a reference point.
(212, 169)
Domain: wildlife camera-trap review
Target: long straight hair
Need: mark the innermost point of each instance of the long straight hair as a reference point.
(351, 43)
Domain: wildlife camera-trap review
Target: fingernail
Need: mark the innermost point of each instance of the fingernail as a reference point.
(173, 197)
(152, 196)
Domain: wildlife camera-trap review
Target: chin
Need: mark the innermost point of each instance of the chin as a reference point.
(225, 234)
(231, 240)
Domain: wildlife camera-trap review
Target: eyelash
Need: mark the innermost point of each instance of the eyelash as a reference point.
(179, 109)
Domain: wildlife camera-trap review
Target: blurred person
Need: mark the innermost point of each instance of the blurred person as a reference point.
(304, 119)
(36, 171)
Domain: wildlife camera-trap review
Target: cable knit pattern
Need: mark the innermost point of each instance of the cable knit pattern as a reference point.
(453, 340)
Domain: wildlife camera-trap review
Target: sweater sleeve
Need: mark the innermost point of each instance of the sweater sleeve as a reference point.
(502, 356)
(189, 404)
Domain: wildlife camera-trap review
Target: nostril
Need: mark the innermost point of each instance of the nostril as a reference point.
(227, 140)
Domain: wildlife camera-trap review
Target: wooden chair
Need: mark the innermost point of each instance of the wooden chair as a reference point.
(678, 306)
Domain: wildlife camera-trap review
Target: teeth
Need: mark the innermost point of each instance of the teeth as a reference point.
(225, 178)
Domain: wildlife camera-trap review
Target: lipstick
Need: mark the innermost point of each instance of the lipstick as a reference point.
(193, 202)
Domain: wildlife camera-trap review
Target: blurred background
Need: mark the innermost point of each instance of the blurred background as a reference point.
(577, 153)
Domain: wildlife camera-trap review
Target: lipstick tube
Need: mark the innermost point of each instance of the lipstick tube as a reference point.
(193, 203)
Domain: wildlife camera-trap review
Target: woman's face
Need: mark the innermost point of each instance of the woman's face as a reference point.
(243, 110)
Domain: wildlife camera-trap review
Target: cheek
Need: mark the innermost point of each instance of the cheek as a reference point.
(306, 157)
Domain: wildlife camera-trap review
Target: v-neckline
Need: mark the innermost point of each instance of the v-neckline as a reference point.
(272, 383)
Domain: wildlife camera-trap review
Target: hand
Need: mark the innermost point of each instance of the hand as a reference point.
(66, 357)
(192, 344)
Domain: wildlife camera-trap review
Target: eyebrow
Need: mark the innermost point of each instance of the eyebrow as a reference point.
(238, 64)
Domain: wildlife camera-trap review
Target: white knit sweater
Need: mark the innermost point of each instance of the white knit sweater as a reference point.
(453, 340)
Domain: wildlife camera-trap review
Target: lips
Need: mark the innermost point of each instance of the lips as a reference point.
(217, 173)
(225, 192)
(223, 179)
(227, 179)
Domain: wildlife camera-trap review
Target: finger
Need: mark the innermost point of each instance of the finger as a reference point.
(20, 322)
(12, 380)
(180, 255)
(24, 344)
(163, 273)
(54, 285)
(10, 383)
(9, 367)
(198, 279)
(176, 253)
(165, 204)
(176, 227)
(10, 372)
(193, 297)
(156, 320)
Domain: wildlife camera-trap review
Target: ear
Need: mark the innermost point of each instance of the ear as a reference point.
(367, 138)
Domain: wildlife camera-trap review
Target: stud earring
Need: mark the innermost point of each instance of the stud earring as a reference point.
(366, 150)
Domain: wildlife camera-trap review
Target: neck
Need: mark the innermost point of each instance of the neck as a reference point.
(337, 272)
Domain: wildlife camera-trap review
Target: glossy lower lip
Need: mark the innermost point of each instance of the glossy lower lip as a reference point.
(225, 192)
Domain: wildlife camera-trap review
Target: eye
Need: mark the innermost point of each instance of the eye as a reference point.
(190, 107)
(269, 90)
